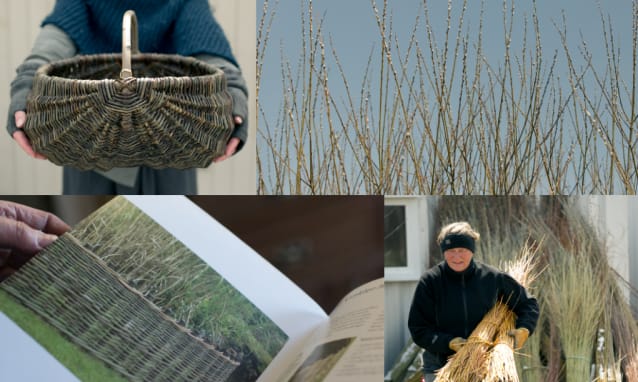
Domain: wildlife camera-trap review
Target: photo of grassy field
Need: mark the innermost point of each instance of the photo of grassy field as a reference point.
(150, 290)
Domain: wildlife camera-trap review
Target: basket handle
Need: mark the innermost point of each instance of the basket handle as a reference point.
(129, 42)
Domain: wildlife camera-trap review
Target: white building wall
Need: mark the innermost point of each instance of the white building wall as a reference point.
(632, 211)
(611, 215)
(20, 174)
(398, 297)
(400, 286)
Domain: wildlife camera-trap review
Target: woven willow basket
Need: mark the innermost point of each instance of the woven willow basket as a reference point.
(110, 110)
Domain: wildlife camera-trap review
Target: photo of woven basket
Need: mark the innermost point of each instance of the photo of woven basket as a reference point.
(131, 109)
(80, 295)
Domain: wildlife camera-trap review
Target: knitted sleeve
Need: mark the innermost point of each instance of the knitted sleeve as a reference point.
(51, 44)
(197, 32)
(238, 90)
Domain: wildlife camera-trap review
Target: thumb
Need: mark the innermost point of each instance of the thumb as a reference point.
(20, 236)
(44, 239)
(21, 118)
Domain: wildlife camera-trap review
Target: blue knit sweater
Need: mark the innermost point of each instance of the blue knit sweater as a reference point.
(185, 27)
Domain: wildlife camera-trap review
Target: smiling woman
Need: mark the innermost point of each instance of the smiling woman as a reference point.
(458, 243)
(454, 296)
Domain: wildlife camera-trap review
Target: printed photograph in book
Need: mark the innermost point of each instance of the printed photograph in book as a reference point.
(321, 361)
(174, 288)
(128, 300)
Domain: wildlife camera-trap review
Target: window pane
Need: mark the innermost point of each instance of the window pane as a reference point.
(395, 251)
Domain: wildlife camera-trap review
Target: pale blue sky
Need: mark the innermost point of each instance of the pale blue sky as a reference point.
(353, 28)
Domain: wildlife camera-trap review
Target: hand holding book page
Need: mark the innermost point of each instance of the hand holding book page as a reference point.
(148, 273)
(24, 231)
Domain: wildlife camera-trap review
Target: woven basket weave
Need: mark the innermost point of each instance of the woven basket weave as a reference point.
(91, 112)
(77, 293)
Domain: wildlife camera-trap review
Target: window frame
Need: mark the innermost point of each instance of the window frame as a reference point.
(416, 238)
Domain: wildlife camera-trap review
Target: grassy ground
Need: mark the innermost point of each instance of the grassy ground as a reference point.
(81, 364)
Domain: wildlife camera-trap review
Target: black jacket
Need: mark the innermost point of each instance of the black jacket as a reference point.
(450, 304)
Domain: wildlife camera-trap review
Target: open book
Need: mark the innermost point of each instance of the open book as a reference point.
(153, 288)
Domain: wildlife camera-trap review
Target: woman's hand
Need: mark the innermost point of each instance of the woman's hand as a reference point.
(21, 137)
(24, 231)
(457, 343)
(232, 144)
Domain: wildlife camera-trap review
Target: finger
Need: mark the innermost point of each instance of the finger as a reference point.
(38, 219)
(231, 147)
(55, 225)
(25, 145)
(20, 236)
(20, 117)
(220, 159)
(238, 120)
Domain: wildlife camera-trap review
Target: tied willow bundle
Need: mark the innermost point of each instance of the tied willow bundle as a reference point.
(488, 354)
(470, 363)
(577, 313)
(501, 365)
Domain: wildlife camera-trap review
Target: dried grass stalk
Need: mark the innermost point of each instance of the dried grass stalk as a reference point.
(525, 269)
(501, 365)
(576, 304)
(528, 363)
(624, 332)
(470, 363)
(631, 367)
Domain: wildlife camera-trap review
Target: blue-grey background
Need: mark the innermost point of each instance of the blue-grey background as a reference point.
(351, 29)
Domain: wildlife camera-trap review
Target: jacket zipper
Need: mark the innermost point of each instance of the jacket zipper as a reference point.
(464, 304)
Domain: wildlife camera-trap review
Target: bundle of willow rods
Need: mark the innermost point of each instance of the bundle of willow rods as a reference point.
(488, 354)
(501, 365)
(471, 362)
(560, 228)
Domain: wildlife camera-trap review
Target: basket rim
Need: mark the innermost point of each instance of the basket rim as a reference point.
(45, 70)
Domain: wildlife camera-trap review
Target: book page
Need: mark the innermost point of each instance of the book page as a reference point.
(348, 347)
(161, 266)
(290, 307)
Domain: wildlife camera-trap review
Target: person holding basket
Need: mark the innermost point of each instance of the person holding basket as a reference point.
(86, 27)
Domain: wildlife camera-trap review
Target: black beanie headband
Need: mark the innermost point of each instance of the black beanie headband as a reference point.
(457, 241)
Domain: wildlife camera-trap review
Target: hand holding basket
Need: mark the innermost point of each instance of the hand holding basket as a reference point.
(156, 110)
